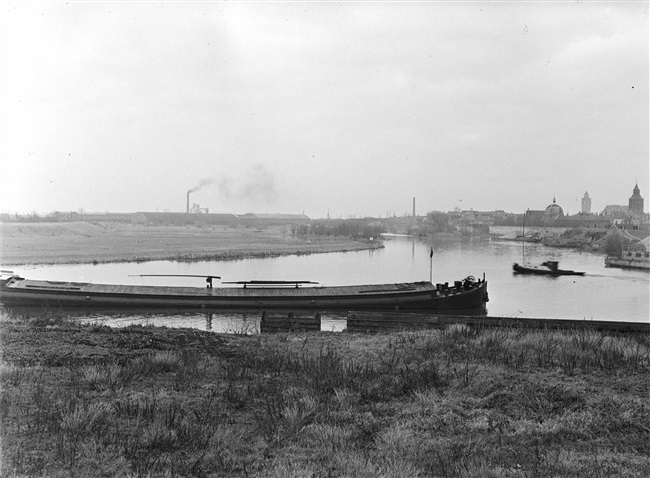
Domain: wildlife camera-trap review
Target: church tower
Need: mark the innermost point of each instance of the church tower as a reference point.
(586, 204)
(636, 201)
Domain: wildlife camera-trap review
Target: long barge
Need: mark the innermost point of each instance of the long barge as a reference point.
(467, 294)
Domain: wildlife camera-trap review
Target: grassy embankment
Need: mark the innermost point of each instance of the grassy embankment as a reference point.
(143, 401)
(68, 243)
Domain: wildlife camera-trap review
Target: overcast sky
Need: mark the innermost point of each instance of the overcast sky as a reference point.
(347, 108)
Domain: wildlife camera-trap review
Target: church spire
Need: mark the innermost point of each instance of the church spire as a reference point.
(635, 204)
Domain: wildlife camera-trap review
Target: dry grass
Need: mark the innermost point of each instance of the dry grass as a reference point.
(55, 243)
(459, 402)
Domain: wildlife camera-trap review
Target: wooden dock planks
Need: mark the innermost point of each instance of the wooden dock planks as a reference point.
(289, 322)
(380, 321)
(386, 321)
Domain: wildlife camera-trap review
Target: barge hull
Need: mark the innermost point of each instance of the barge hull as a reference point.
(408, 296)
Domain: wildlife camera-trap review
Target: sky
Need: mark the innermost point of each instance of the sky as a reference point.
(346, 109)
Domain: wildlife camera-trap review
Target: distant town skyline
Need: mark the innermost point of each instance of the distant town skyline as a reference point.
(567, 211)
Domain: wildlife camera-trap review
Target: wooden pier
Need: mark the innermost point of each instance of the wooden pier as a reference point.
(393, 321)
(386, 322)
(287, 321)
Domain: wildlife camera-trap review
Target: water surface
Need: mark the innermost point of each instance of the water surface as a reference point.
(602, 294)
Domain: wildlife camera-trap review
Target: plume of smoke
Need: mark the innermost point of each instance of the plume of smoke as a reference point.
(224, 187)
(202, 184)
(259, 185)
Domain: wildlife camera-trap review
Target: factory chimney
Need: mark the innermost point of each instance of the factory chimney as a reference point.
(188, 201)
(413, 207)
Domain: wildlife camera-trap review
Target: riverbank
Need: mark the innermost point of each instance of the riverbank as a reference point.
(145, 401)
(87, 243)
(575, 238)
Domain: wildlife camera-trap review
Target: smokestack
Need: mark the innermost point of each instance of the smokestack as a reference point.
(188, 201)
(413, 207)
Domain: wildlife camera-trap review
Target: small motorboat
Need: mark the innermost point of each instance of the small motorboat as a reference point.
(548, 268)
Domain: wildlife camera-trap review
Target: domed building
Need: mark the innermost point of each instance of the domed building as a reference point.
(553, 211)
(546, 217)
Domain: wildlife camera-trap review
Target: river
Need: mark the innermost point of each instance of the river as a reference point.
(602, 294)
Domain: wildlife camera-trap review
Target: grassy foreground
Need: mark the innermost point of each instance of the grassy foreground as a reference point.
(147, 402)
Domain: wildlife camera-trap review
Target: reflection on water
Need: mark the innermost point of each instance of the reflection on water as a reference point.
(221, 322)
(244, 322)
(602, 294)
